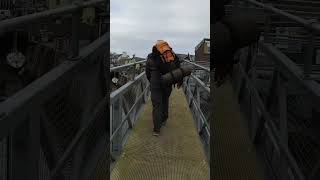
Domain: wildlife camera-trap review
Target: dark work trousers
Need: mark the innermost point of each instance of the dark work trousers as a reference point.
(160, 104)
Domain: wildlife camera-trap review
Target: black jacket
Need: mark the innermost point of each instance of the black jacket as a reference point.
(155, 68)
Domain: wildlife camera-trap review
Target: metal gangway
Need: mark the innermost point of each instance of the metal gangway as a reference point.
(181, 151)
(278, 93)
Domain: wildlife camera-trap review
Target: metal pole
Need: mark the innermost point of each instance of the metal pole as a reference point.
(267, 28)
(308, 58)
(15, 42)
(75, 33)
(301, 21)
(126, 65)
(117, 122)
(283, 126)
(8, 24)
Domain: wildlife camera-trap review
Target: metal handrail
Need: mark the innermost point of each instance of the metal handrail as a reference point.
(123, 120)
(293, 37)
(5, 25)
(126, 65)
(284, 70)
(125, 87)
(15, 110)
(197, 65)
(201, 83)
(313, 26)
(125, 110)
(193, 92)
(144, 61)
(292, 70)
(15, 106)
(31, 100)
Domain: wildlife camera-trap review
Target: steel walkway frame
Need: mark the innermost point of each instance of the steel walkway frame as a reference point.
(123, 120)
(37, 146)
(270, 134)
(176, 154)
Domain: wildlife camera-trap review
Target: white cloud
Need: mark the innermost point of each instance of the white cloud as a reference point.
(136, 25)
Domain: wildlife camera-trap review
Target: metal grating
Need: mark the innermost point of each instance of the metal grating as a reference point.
(234, 154)
(176, 154)
(63, 118)
(3, 159)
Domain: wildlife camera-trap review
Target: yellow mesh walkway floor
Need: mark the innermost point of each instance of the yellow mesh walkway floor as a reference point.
(234, 156)
(176, 154)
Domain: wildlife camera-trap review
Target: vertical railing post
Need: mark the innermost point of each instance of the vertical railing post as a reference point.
(236, 5)
(249, 59)
(144, 94)
(198, 101)
(187, 86)
(253, 107)
(117, 117)
(135, 71)
(34, 143)
(267, 28)
(135, 110)
(308, 56)
(119, 136)
(75, 31)
(315, 173)
(281, 86)
(24, 150)
(15, 41)
(193, 95)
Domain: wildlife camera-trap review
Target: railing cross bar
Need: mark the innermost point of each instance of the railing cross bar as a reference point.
(8, 24)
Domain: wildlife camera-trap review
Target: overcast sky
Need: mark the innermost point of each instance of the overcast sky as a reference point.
(137, 24)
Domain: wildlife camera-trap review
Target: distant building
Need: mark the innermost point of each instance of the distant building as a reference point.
(5, 14)
(24, 7)
(89, 16)
(186, 57)
(119, 59)
(129, 61)
(52, 4)
(6, 4)
(114, 58)
(202, 52)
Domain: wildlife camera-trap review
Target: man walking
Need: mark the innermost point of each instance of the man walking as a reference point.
(161, 61)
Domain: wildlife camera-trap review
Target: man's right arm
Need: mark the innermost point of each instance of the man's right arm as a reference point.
(153, 72)
(148, 73)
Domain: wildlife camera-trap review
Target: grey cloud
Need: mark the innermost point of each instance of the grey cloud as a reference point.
(136, 25)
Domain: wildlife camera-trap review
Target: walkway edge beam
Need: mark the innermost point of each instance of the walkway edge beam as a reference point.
(6, 25)
(312, 26)
(197, 65)
(126, 65)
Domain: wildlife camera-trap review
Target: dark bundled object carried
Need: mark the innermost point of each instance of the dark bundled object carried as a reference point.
(176, 75)
(234, 32)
